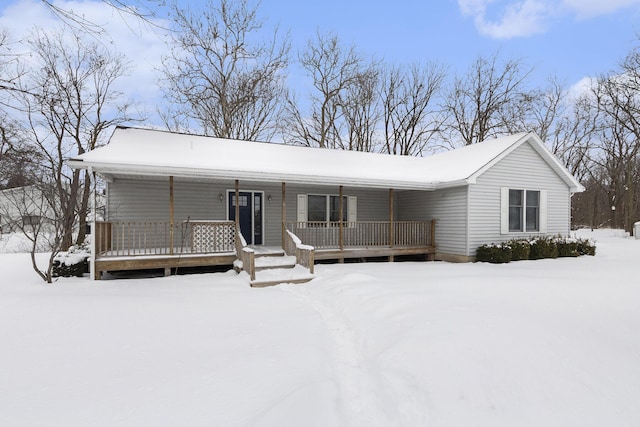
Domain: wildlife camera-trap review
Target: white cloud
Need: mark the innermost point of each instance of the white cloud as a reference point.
(519, 19)
(503, 19)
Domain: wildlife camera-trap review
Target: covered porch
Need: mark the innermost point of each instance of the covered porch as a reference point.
(182, 241)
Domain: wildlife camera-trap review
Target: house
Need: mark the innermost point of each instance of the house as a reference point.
(171, 200)
(25, 209)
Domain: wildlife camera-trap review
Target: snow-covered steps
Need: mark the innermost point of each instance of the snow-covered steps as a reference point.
(276, 276)
(273, 267)
(270, 262)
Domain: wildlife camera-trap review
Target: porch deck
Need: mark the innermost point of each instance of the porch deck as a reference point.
(155, 245)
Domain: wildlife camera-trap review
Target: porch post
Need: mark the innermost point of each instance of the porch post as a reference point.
(237, 205)
(341, 225)
(391, 227)
(283, 212)
(95, 275)
(171, 219)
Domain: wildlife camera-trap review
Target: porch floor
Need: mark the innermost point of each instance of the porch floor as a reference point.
(150, 262)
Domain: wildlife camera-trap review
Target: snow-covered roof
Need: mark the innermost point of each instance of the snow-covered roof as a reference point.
(145, 152)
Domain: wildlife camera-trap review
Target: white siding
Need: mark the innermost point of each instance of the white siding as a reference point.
(521, 169)
(148, 200)
(449, 209)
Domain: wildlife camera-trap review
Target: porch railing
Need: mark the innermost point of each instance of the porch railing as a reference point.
(325, 235)
(143, 238)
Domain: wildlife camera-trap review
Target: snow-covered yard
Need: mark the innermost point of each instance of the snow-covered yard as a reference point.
(533, 343)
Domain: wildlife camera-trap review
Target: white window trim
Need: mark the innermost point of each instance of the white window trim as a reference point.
(504, 211)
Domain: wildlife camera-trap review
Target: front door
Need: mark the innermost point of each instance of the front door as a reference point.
(250, 205)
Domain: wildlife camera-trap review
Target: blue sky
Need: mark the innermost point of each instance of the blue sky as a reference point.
(571, 43)
(572, 39)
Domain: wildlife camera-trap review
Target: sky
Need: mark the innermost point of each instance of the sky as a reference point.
(570, 39)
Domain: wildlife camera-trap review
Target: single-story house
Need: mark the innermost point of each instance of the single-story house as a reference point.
(171, 200)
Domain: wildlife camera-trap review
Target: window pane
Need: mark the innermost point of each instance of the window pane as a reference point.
(317, 208)
(335, 208)
(515, 210)
(533, 211)
(515, 219)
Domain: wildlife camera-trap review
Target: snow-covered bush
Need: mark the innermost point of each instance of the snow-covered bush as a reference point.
(535, 248)
(520, 249)
(543, 247)
(74, 262)
(494, 253)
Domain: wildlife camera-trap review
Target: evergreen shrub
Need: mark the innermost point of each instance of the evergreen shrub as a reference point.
(494, 253)
(520, 249)
(543, 247)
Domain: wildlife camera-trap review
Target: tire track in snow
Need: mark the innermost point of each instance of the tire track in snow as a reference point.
(362, 395)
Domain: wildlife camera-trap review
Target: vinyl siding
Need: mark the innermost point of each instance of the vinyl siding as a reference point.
(448, 207)
(148, 200)
(521, 169)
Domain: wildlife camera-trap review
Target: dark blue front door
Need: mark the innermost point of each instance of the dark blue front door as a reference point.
(250, 205)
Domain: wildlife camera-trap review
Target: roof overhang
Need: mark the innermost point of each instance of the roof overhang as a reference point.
(109, 170)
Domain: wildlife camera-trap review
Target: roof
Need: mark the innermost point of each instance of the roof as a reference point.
(145, 152)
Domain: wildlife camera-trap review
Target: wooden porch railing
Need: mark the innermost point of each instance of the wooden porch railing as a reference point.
(325, 235)
(304, 253)
(245, 254)
(140, 238)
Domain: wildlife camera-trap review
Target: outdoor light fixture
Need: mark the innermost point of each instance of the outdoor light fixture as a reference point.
(220, 197)
(269, 198)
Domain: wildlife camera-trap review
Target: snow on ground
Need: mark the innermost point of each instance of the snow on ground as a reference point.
(549, 342)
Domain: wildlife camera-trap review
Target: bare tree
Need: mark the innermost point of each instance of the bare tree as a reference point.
(68, 103)
(410, 118)
(619, 104)
(145, 10)
(361, 113)
(220, 76)
(32, 211)
(342, 83)
(478, 104)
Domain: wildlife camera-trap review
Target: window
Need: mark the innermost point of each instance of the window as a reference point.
(523, 211)
(323, 208)
(515, 210)
(532, 213)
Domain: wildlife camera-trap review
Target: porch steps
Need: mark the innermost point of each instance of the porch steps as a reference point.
(277, 276)
(273, 267)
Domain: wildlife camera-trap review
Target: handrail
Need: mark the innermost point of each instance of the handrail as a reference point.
(304, 253)
(245, 254)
